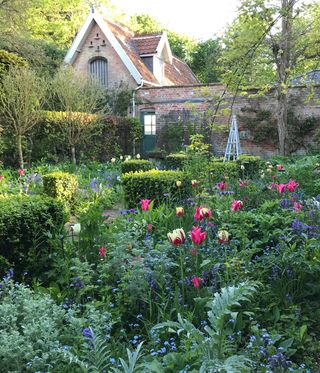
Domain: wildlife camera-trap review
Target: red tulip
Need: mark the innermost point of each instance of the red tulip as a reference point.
(150, 227)
(21, 171)
(202, 213)
(145, 204)
(102, 252)
(197, 236)
(177, 237)
(222, 185)
(196, 281)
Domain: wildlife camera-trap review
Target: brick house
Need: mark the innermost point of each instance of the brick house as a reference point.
(113, 54)
(165, 92)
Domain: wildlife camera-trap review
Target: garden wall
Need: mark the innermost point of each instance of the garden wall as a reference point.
(193, 107)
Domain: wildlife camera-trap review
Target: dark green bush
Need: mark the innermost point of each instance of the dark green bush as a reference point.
(62, 186)
(27, 224)
(134, 165)
(220, 170)
(156, 185)
(250, 165)
(176, 160)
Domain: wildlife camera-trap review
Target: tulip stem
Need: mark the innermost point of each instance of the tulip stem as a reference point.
(182, 276)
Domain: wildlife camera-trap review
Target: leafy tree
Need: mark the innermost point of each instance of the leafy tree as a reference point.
(77, 98)
(21, 99)
(204, 61)
(266, 46)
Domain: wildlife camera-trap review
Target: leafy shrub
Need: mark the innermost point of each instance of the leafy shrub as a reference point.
(155, 185)
(133, 165)
(250, 164)
(176, 160)
(28, 223)
(220, 170)
(62, 186)
(8, 60)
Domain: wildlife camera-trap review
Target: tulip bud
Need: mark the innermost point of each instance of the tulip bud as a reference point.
(179, 211)
(177, 237)
(178, 183)
(223, 236)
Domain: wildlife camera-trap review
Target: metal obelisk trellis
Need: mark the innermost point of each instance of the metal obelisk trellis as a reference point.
(233, 149)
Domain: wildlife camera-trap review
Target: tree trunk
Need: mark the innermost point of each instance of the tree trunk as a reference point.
(73, 154)
(283, 74)
(20, 152)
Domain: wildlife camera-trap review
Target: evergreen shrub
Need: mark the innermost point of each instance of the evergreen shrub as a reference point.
(250, 165)
(176, 160)
(62, 186)
(28, 222)
(134, 165)
(220, 170)
(155, 185)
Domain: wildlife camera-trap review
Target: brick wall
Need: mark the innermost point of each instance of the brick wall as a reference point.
(194, 105)
(117, 71)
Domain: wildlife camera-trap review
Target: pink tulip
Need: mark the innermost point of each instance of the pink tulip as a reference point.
(222, 185)
(1, 178)
(193, 251)
(297, 206)
(197, 236)
(197, 281)
(236, 205)
(177, 237)
(292, 185)
(21, 171)
(281, 188)
(145, 204)
(242, 183)
(279, 167)
(150, 227)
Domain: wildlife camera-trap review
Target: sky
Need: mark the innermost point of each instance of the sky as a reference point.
(202, 19)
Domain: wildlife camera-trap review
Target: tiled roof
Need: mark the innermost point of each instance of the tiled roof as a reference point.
(147, 44)
(179, 73)
(125, 38)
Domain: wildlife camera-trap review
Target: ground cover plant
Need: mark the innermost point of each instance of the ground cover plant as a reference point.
(221, 278)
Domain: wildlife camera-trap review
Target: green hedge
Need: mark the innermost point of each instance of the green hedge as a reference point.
(221, 170)
(62, 186)
(176, 160)
(250, 165)
(156, 185)
(28, 223)
(134, 165)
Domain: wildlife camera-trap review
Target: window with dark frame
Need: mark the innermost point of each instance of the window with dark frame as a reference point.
(98, 69)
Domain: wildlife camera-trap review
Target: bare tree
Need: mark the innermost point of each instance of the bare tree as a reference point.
(21, 98)
(78, 98)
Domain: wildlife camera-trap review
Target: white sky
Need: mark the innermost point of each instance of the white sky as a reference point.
(201, 19)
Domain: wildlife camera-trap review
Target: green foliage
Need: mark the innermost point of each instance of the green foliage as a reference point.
(62, 186)
(8, 60)
(154, 184)
(172, 136)
(131, 366)
(249, 165)
(133, 165)
(176, 161)
(220, 170)
(26, 226)
(118, 99)
(216, 350)
(197, 145)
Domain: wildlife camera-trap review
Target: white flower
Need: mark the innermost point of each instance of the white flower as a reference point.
(121, 157)
(76, 228)
(138, 156)
(242, 167)
(113, 160)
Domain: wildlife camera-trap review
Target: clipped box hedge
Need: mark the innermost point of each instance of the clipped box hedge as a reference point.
(250, 164)
(176, 160)
(156, 185)
(220, 170)
(133, 165)
(28, 222)
(62, 186)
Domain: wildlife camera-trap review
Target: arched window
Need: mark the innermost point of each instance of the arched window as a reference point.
(98, 69)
